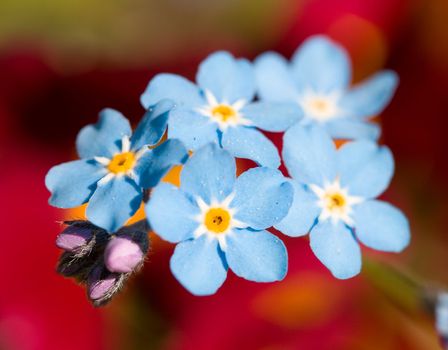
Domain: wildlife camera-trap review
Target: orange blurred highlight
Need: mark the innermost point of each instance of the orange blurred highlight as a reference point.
(77, 213)
(433, 31)
(364, 41)
(302, 301)
(340, 143)
(173, 175)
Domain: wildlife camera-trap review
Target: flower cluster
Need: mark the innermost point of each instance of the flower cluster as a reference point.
(217, 220)
(101, 260)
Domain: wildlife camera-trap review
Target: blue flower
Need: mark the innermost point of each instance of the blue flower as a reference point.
(115, 166)
(220, 109)
(318, 79)
(334, 198)
(220, 222)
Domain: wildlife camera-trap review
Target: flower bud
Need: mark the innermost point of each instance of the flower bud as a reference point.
(100, 288)
(122, 255)
(83, 243)
(74, 238)
(102, 285)
(101, 260)
(71, 266)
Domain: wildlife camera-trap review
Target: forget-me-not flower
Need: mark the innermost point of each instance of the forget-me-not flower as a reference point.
(318, 79)
(334, 198)
(115, 166)
(220, 221)
(220, 109)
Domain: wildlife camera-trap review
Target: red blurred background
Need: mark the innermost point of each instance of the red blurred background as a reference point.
(61, 62)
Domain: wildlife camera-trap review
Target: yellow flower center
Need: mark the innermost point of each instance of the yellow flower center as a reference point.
(335, 201)
(122, 162)
(217, 220)
(320, 105)
(223, 113)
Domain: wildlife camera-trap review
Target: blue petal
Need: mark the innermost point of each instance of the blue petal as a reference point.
(301, 215)
(381, 226)
(114, 202)
(257, 256)
(348, 128)
(198, 265)
(209, 174)
(183, 92)
(335, 247)
(370, 97)
(271, 116)
(365, 168)
(193, 129)
(71, 184)
(249, 143)
(151, 128)
(262, 197)
(321, 65)
(154, 164)
(171, 213)
(274, 78)
(226, 78)
(309, 154)
(103, 139)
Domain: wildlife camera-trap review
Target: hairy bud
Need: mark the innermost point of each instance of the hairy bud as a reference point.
(122, 255)
(102, 284)
(100, 260)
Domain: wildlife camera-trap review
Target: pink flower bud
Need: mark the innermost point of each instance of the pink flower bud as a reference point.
(99, 289)
(73, 238)
(122, 255)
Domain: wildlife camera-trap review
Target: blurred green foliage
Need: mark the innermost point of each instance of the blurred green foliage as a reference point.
(138, 32)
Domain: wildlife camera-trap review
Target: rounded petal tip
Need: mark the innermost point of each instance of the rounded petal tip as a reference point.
(73, 238)
(122, 255)
(100, 288)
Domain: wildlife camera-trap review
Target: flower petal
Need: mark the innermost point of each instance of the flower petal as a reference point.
(209, 174)
(257, 256)
(249, 143)
(171, 213)
(71, 184)
(193, 129)
(381, 226)
(114, 202)
(199, 266)
(370, 97)
(262, 197)
(272, 116)
(335, 247)
(103, 139)
(226, 78)
(321, 65)
(348, 128)
(154, 164)
(274, 79)
(302, 214)
(183, 92)
(153, 125)
(365, 168)
(309, 154)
